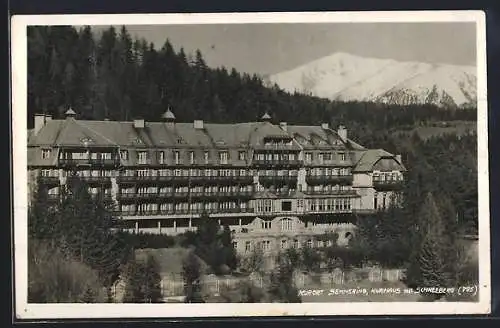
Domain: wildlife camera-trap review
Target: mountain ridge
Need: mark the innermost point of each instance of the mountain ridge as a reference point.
(346, 77)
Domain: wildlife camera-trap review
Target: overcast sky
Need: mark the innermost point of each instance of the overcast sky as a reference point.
(272, 48)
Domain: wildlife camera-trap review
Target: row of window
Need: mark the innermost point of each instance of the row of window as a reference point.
(329, 204)
(143, 157)
(266, 245)
(82, 155)
(329, 189)
(166, 190)
(183, 207)
(387, 176)
(325, 157)
(276, 157)
(319, 171)
(314, 205)
(284, 224)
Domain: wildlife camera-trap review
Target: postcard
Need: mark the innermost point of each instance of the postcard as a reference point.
(301, 162)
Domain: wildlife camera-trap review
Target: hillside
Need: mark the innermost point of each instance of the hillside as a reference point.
(346, 77)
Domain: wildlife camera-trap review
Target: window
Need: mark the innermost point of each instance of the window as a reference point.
(206, 157)
(286, 206)
(142, 157)
(235, 244)
(124, 155)
(241, 155)
(177, 157)
(266, 245)
(375, 201)
(310, 243)
(308, 157)
(266, 224)
(191, 157)
(45, 153)
(284, 244)
(342, 157)
(161, 157)
(286, 224)
(248, 246)
(320, 158)
(300, 203)
(267, 205)
(295, 243)
(223, 157)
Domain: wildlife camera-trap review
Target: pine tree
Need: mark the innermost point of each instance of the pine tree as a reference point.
(428, 263)
(191, 273)
(153, 293)
(282, 287)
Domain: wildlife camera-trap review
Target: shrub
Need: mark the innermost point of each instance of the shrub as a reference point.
(54, 277)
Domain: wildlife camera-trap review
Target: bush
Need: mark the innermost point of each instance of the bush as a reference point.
(149, 240)
(54, 277)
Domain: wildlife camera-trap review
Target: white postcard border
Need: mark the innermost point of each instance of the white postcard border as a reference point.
(66, 311)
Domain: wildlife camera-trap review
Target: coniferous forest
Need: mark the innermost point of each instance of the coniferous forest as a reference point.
(112, 75)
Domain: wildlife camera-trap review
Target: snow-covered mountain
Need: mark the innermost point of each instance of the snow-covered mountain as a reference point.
(348, 77)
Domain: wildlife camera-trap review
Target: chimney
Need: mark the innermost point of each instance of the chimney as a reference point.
(283, 126)
(40, 120)
(342, 132)
(198, 124)
(398, 158)
(324, 126)
(48, 118)
(139, 123)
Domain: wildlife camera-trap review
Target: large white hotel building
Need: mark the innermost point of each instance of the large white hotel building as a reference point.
(278, 185)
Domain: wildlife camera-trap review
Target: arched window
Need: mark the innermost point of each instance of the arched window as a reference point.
(286, 224)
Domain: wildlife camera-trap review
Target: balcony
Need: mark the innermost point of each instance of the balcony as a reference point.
(136, 179)
(277, 180)
(276, 163)
(350, 192)
(387, 185)
(345, 179)
(70, 162)
(186, 212)
(101, 180)
(53, 180)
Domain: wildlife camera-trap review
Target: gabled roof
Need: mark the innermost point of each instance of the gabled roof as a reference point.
(329, 136)
(71, 132)
(367, 159)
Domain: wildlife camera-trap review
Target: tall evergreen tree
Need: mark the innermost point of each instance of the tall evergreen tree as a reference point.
(191, 273)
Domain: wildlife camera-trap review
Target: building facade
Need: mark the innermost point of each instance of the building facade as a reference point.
(276, 185)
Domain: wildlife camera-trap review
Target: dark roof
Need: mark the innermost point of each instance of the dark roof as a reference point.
(72, 132)
(367, 159)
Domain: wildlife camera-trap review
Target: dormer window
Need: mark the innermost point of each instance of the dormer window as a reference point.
(86, 141)
(45, 153)
(223, 157)
(161, 157)
(142, 157)
(124, 155)
(241, 155)
(308, 157)
(177, 157)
